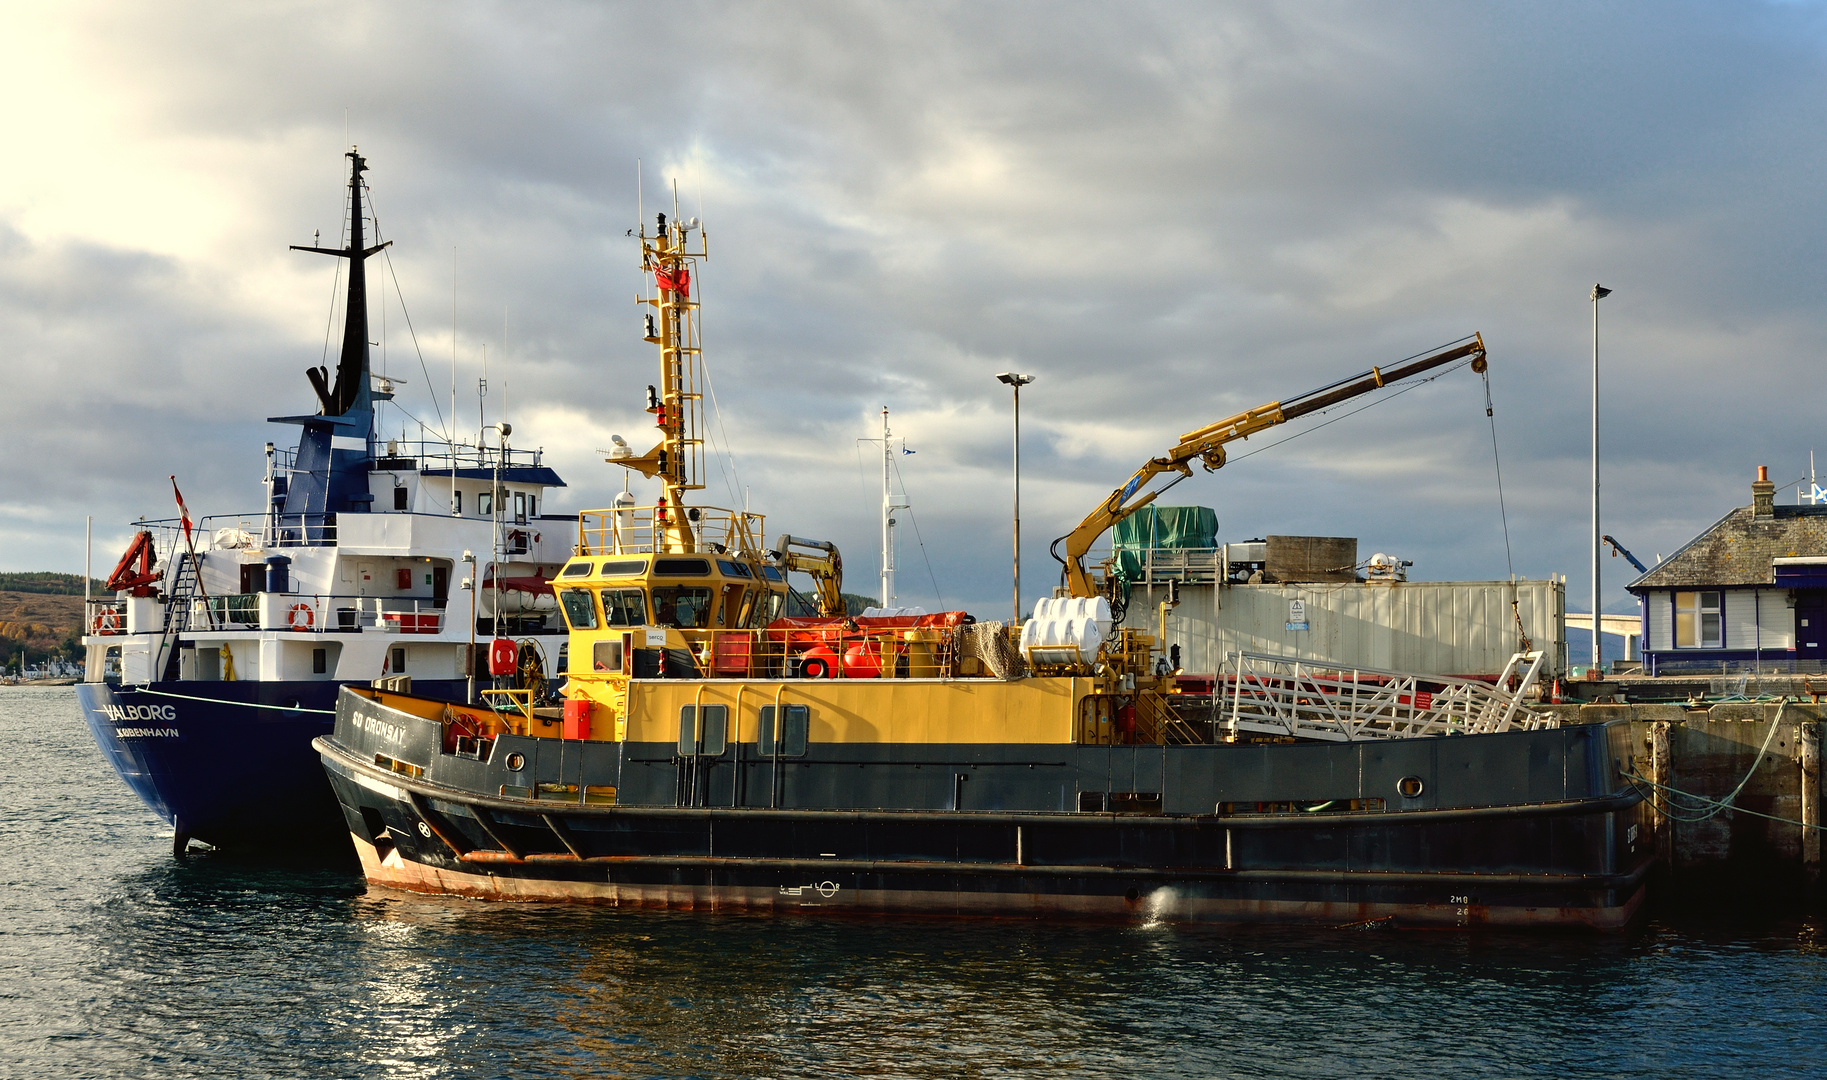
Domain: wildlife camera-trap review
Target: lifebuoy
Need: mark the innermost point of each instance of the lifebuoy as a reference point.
(108, 622)
(301, 617)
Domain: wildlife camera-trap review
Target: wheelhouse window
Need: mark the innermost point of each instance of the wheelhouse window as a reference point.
(580, 611)
(520, 508)
(485, 503)
(625, 607)
(1699, 621)
(682, 606)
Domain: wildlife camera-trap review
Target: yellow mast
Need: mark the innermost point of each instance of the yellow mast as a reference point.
(677, 402)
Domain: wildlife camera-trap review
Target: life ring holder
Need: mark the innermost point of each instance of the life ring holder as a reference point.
(108, 622)
(295, 622)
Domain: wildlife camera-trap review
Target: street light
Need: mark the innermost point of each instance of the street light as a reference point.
(1010, 378)
(1599, 292)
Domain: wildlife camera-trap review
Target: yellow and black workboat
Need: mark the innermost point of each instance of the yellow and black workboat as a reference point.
(712, 753)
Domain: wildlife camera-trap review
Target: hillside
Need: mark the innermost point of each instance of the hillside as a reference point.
(42, 623)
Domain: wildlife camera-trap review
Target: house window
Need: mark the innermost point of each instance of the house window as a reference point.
(456, 502)
(520, 508)
(485, 504)
(1698, 621)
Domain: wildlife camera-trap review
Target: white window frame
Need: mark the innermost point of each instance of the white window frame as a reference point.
(1697, 616)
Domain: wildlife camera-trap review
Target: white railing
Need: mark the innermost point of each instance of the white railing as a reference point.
(1283, 696)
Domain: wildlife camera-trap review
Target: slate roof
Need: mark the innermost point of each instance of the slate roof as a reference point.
(1737, 550)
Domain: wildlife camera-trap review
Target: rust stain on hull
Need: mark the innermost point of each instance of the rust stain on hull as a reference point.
(1163, 904)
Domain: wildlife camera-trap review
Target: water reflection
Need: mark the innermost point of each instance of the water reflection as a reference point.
(116, 960)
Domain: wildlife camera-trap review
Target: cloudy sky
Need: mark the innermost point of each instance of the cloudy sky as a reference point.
(1168, 212)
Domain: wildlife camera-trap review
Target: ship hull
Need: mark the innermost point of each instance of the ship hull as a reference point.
(186, 749)
(1576, 857)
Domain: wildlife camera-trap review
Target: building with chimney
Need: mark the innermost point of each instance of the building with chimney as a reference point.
(1750, 589)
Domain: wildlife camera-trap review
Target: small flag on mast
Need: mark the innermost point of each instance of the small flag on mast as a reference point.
(183, 511)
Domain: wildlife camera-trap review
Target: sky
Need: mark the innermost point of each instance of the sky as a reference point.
(1166, 212)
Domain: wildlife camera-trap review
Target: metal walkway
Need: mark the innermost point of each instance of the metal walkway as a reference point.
(1279, 695)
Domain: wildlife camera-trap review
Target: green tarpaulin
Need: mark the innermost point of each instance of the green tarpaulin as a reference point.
(1161, 527)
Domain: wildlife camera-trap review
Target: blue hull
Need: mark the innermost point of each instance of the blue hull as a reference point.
(187, 750)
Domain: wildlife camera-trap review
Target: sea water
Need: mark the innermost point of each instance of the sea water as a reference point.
(117, 960)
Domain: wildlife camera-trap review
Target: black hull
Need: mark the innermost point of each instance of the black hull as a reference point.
(1574, 855)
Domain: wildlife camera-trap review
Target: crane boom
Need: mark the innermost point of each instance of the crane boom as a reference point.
(1207, 444)
(1619, 549)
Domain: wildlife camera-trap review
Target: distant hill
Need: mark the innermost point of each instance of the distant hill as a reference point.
(48, 583)
(40, 623)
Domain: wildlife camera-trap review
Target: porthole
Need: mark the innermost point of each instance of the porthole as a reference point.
(1410, 787)
(516, 762)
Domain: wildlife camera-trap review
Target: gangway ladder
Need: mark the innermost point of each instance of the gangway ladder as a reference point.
(179, 603)
(1293, 698)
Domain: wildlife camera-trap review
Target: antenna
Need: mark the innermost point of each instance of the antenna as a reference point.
(640, 206)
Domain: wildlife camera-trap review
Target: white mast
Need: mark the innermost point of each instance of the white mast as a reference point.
(888, 508)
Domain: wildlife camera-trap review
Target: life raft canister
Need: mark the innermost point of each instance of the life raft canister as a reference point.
(301, 617)
(818, 663)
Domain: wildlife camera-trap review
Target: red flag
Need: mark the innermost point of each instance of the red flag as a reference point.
(676, 280)
(183, 510)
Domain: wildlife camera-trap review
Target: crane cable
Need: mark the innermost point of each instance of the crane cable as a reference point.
(1523, 644)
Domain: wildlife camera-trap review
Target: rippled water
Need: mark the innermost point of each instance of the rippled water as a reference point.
(116, 960)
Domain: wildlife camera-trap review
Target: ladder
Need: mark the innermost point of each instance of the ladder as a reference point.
(179, 606)
(1293, 698)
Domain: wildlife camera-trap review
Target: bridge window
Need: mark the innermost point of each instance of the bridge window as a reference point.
(485, 503)
(580, 611)
(625, 607)
(1699, 623)
(682, 606)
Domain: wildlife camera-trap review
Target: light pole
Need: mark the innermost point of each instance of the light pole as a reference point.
(1599, 292)
(1017, 382)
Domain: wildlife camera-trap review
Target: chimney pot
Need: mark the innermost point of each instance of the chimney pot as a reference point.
(1763, 495)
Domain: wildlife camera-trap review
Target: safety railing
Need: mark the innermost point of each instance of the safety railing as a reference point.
(334, 614)
(1289, 698)
(647, 530)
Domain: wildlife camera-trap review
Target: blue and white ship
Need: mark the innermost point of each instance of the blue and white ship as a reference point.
(221, 652)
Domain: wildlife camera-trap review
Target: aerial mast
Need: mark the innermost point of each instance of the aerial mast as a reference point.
(677, 401)
(888, 509)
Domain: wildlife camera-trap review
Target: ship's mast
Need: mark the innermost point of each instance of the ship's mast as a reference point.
(351, 392)
(677, 402)
(888, 508)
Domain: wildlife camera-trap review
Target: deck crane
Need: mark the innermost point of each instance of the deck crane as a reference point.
(1207, 445)
(1619, 549)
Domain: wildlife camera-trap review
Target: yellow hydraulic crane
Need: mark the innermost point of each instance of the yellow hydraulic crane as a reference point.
(827, 570)
(1207, 444)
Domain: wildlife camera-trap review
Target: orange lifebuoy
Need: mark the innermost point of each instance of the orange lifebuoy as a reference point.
(108, 622)
(293, 617)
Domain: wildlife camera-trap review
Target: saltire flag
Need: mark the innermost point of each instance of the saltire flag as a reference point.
(905, 450)
(183, 511)
(675, 280)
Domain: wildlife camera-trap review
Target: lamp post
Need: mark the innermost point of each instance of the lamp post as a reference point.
(1599, 292)
(1017, 382)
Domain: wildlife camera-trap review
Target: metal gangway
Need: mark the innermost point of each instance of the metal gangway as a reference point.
(1288, 697)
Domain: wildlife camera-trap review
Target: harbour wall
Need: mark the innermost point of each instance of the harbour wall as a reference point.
(1769, 754)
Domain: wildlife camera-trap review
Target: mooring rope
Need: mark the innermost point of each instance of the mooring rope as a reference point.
(1695, 814)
